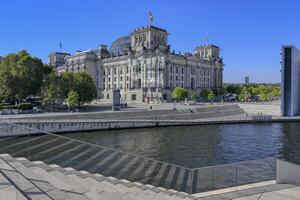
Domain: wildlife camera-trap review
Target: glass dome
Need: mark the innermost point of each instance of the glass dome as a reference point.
(119, 44)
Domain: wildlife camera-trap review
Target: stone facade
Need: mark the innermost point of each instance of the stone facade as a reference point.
(144, 69)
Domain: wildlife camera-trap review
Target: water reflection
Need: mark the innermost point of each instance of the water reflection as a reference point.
(196, 146)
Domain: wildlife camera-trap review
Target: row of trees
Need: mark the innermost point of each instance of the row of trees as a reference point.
(254, 92)
(180, 93)
(22, 75)
(263, 92)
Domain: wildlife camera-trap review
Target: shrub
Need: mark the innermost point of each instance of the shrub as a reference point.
(7, 106)
(25, 106)
(179, 93)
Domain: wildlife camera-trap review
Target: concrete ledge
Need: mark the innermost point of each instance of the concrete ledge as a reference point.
(287, 172)
(233, 189)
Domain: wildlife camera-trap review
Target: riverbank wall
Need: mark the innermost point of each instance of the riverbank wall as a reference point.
(22, 128)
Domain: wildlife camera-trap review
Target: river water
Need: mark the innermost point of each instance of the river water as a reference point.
(205, 145)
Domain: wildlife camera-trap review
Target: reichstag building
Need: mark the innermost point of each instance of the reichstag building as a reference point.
(143, 67)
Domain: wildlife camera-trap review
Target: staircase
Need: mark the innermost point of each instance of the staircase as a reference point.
(22, 179)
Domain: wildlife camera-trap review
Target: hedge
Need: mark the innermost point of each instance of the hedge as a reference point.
(25, 106)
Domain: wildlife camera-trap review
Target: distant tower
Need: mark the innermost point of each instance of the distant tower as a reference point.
(290, 81)
(247, 80)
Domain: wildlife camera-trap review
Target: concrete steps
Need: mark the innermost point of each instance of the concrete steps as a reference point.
(37, 180)
(23, 179)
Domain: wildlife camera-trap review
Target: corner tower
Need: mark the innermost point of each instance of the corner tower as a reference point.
(149, 38)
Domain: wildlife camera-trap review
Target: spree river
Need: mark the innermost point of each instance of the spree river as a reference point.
(205, 145)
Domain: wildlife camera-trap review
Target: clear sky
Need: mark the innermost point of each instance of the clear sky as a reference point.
(249, 32)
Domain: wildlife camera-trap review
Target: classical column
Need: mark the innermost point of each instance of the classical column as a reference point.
(145, 74)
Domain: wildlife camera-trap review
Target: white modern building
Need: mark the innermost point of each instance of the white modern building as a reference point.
(144, 69)
(290, 81)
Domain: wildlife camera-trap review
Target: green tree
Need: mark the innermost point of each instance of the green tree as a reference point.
(204, 93)
(195, 96)
(21, 75)
(211, 96)
(233, 89)
(80, 82)
(179, 93)
(276, 92)
(85, 87)
(69, 83)
(72, 100)
(245, 95)
(52, 93)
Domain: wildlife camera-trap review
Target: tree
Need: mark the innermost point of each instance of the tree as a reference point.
(21, 75)
(245, 95)
(52, 90)
(179, 93)
(195, 96)
(57, 88)
(233, 89)
(85, 87)
(211, 96)
(204, 93)
(276, 92)
(72, 100)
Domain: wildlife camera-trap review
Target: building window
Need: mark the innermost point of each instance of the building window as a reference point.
(121, 78)
(133, 97)
(109, 86)
(115, 86)
(108, 71)
(171, 78)
(108, 79)
(182, 70)
(176, 78)
(115, 78)
(127, 85)
(115, 71)
(103, 79)
(171, 69)
(182, 85)
(176, 70)
(107, 96)
(121, 86)
(127, 78)
(182, 78)
(127, 70)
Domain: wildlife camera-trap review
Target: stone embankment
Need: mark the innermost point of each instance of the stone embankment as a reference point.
(119, 120)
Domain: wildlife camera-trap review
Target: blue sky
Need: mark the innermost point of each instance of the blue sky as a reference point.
(249, 32)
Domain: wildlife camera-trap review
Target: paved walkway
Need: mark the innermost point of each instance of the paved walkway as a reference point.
(264, 108)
